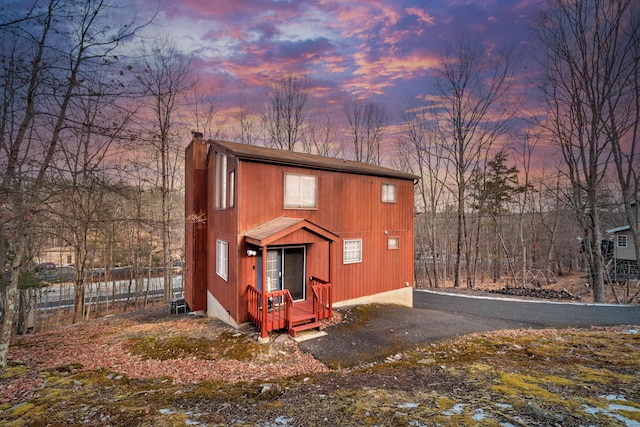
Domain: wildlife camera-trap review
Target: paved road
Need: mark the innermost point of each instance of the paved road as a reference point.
(543, 313)
(376, 331)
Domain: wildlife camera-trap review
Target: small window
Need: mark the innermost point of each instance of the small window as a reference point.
(222, 259)
(389, 193)
(352, 251)
(622, 241)
(300, 191)
(221, 180)
(393, 243)
(232, 188)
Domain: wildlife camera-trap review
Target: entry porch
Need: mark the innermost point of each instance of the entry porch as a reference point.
(276, 310)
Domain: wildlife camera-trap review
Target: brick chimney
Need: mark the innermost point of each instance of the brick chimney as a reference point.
(197, 136)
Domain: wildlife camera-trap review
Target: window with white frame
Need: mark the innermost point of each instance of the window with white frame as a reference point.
(221, 180)
(389, 193)
(232, 188)
(300, 191)
(393, 243)
(352, 252)
(622, 241)
(222, 259)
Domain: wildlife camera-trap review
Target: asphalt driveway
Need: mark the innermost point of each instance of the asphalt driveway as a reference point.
(375, 331)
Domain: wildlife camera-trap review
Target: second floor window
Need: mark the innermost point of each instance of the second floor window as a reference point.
(232, 188)
(300, 191)
(221, 180)
(389, 193)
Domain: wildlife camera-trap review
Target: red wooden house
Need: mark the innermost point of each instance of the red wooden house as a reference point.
(279, 238)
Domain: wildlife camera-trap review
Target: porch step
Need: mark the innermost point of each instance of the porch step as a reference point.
(293, 330)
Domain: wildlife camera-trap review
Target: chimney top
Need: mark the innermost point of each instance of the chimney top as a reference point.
(196, 135)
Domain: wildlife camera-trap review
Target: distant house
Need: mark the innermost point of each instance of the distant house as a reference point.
(279, 238)
(624, 263)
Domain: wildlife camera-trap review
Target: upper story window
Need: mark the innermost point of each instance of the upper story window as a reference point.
(389, 193)
(221, 180)
(232, 188)
(622, 241)
(300, 191)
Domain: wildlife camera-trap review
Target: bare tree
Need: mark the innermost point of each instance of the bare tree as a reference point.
(285, 116)
(322, 138)
(367, 121)
(421, 154)
(206, 111)
(166, 80)
(50, 62)
(470, 86)
(247, 119)
(80, 176)
(589, 55)
(523, 152)
(622, 111)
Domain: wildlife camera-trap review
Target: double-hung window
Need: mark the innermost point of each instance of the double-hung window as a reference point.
(389, 193)
(352, 251)
(300, 191)
(222, 259)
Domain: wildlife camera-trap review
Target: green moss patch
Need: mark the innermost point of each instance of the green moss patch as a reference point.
(172, 347)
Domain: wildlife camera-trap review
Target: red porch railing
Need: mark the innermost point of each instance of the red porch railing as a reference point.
(278, 313)
(322, 301)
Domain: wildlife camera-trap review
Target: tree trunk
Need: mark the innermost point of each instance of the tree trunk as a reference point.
(12, 293)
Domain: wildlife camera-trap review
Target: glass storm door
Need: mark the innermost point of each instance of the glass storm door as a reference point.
(274, 270)
(285, 270)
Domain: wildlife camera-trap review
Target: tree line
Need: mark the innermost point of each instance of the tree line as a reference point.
(94, 118)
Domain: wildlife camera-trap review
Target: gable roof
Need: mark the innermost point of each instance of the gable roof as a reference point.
(275, 229)
(291, 158)
(618, 229)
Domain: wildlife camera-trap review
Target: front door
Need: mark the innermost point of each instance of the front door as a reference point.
(286, 270)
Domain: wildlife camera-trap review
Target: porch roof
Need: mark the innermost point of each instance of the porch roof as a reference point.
(275, 229)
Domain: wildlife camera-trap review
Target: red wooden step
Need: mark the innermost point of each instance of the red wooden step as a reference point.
(293, 330)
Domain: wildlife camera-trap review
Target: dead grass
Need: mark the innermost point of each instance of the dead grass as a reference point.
(522, 377)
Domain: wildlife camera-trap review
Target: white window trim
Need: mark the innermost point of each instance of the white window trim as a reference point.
(222, 259)
(298, 196)
(344, 251)
(221, 180)
(620, 239)
(232, 188)
(397, 243)
(385, 193)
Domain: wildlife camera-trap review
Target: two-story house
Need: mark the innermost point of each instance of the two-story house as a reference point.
(279, 238)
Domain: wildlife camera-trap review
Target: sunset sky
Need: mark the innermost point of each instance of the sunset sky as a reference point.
(382, 50)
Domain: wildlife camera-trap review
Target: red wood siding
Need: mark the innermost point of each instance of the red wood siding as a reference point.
(222, 226)
(195, 272)
(350, 206)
